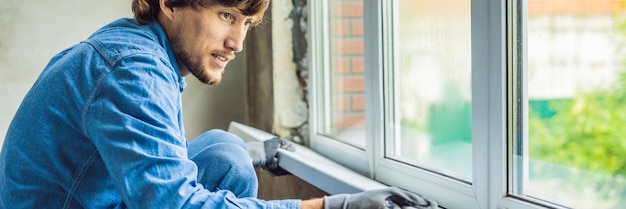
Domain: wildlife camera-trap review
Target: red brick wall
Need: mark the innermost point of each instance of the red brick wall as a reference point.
(347, 63)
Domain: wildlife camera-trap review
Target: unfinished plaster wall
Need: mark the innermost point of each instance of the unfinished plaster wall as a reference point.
(289, 48)
(288, 19)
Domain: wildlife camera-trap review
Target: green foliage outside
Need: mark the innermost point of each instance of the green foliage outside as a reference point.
(586, 132)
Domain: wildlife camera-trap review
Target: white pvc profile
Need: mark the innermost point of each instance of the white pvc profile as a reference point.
(311, 167)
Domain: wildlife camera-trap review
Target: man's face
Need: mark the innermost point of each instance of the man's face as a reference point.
(204, 40)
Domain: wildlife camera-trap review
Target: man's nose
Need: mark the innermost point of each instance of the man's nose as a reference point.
(235, 39)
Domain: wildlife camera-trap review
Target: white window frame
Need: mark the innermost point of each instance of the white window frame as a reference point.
(490, 183)
(346, 155)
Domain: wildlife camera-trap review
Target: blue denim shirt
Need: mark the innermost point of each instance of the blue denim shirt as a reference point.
(102, 128)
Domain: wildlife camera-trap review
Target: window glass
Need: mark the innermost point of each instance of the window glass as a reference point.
(430, 86)
(343, 99)
(573, 104)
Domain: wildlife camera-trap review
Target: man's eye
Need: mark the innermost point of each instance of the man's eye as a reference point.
(226, 15)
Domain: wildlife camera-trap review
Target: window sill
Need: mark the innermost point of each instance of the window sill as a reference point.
(310, 166)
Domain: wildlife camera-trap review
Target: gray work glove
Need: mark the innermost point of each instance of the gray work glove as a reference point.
(263, 154)
(391, 198)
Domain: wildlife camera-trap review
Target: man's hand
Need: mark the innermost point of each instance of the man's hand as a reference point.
(263, 154)
(391, 198)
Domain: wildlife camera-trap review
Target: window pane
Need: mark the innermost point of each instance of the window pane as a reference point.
(344, 105)
(431, 86)
(572, 153)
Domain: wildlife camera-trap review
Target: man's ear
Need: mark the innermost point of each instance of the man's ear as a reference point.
(168, 12)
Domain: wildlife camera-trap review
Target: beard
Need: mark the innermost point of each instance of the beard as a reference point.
(194, 66)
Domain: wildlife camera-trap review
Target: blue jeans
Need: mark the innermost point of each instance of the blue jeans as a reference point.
(223, 163)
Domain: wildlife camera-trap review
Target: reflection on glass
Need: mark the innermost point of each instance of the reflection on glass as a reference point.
(432, 86)
(573, 154)
(344, 110)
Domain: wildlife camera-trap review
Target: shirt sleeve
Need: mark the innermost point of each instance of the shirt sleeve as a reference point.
(133, 119)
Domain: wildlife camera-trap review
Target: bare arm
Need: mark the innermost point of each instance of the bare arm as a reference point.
(317, 203)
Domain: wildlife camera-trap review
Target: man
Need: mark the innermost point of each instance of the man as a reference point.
(101, 127)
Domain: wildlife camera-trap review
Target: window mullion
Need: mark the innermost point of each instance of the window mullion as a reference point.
(374, 111)
(488, 104)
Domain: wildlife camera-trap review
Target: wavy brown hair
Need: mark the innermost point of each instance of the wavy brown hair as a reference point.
(147, 10)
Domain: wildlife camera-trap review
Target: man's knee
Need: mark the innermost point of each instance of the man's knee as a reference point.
(216, 136)
(226, 166)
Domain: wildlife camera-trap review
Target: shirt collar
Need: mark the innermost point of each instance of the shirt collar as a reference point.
(163, 41)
